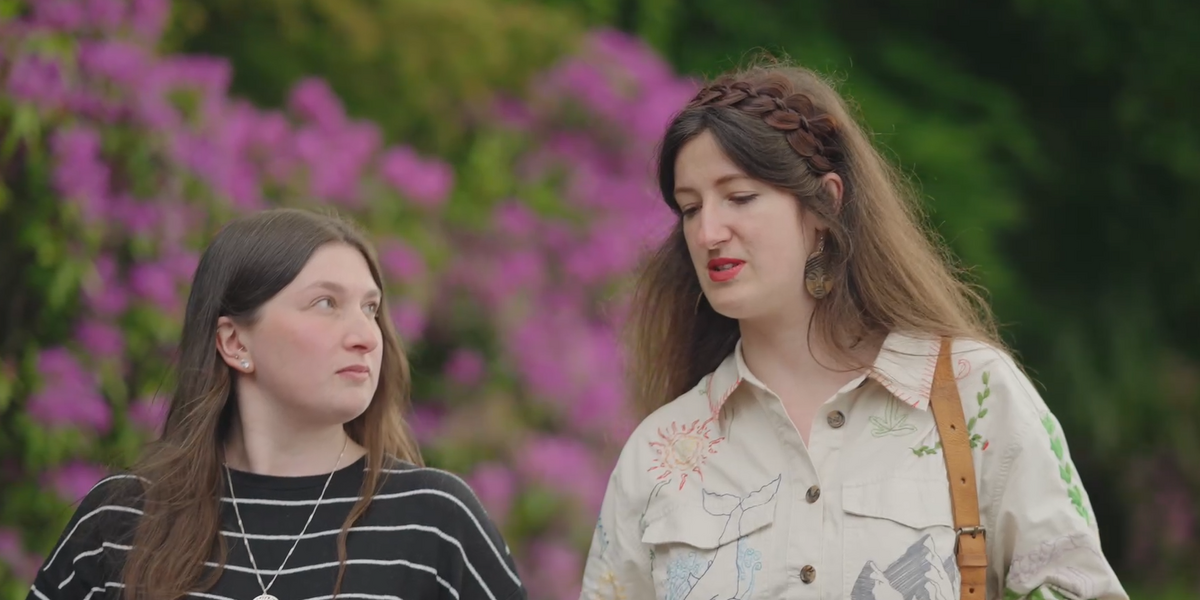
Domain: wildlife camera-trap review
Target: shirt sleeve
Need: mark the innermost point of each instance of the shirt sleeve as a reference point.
(1044, 528)
(81, 564)
(618, 563)
(488, 571)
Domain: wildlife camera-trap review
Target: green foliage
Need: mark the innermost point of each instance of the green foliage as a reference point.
(421, 69)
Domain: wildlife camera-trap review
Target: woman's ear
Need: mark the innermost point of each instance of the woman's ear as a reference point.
(832, 184)
(231, 344)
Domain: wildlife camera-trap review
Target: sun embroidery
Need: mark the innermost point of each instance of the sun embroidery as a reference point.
(684, 450)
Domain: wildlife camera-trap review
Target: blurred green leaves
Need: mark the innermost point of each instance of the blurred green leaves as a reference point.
(421, 69)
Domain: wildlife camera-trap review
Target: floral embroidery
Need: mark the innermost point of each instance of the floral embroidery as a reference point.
(683, 450)
(612, 589)
(975, 439)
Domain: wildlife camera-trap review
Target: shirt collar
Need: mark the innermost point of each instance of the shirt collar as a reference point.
(904, 368)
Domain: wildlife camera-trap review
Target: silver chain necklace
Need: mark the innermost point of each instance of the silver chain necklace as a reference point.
(246, 540)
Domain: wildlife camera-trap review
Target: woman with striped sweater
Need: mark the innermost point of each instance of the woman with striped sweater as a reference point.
(284, 471)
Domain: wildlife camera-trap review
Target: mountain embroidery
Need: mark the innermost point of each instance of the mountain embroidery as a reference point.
(920, 574)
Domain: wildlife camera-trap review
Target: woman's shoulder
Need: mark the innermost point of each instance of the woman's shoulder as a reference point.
(404, 479)
(990, 371)
(108, 513)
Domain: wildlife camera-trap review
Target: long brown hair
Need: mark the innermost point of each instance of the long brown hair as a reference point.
(248, 262)
(786, 126)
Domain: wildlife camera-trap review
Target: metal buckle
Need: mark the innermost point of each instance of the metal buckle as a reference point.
(973, 531)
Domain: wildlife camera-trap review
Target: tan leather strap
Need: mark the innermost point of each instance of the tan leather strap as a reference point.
(971, 545)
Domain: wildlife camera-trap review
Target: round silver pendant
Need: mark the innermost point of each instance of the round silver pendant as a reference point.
(266, 597)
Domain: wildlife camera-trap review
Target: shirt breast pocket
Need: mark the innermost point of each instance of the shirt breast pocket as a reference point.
(714, 548)
(899, 540)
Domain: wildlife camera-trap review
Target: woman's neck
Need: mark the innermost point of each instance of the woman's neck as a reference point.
(289, 454)
(783, 355)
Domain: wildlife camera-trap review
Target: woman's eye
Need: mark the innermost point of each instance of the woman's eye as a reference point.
(324, 302)
(688, 211)
(372, 308)
(744, 198)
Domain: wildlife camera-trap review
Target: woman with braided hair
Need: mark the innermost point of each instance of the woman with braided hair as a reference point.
(827, 409)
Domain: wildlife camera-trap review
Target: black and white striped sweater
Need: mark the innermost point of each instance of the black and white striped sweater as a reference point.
(425, 536)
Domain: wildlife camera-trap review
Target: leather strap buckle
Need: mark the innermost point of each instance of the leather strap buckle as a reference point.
(973, 531)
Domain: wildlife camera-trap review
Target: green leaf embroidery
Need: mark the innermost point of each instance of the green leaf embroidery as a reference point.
(1066, 470)
(893, 421)
(974, 438)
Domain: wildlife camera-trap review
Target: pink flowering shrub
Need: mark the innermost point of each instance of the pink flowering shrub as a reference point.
(503, 271)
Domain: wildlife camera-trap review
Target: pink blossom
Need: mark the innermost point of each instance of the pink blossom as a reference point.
(516, 270)
(62, 15)
(37, 79)
(563, 464)
(79, 174)
(149, 17)
(515, 219)
(139, 218)
(588, 84)
(426, 423)
(103, 291)
(512, 113)
(465, 366)
(313, 100)
(658, 106)
(533, 346)
(74, 480)
(204, 78)
(631, 55)
(155, 282)
(181, 264)
(23, 565)
(426, 182)
(496, 487)
(554, 568)
(68, 396)
(336, 158)
(148, 414)
(105, 14)
(100, 339)
(108, 300)
(409, 319)
(401, 261)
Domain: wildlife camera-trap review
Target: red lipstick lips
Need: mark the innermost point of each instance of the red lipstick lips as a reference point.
(724, 269)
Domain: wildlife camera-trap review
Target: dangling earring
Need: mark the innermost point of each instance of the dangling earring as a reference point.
(698, 299)
(816, 271)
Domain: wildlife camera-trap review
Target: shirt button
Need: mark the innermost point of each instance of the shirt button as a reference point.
(808, 574)
(836, 419)
(814, 492)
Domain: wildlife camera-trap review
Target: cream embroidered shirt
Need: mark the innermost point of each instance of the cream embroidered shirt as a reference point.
(716, 495)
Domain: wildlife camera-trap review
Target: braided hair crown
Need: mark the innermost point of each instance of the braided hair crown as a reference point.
(812, 133)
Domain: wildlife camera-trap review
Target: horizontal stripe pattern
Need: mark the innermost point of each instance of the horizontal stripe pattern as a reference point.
(424, 536)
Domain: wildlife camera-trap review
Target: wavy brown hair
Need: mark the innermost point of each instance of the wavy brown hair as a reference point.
(786, 126)
(248, 262)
